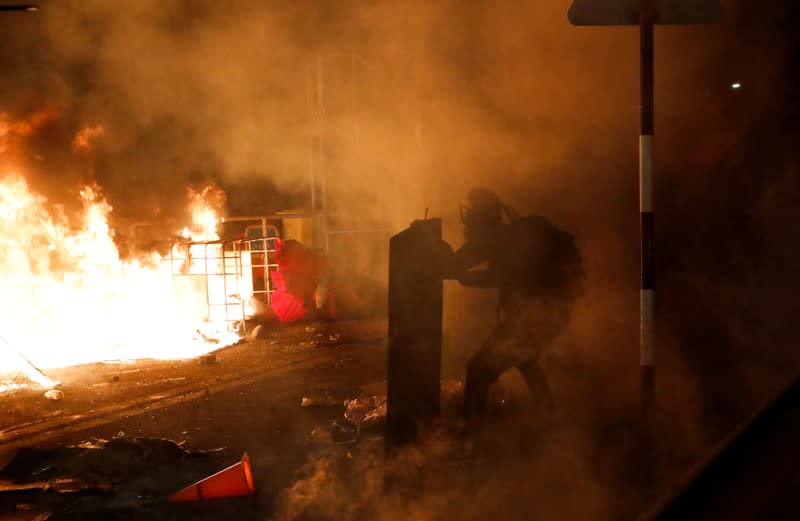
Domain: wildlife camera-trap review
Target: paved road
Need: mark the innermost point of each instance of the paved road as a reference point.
(591, 463)
(248, 401)
(102, 394)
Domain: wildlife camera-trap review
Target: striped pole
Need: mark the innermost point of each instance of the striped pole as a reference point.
(647, 288)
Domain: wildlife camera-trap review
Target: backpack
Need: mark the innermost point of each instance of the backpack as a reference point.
(538, 258)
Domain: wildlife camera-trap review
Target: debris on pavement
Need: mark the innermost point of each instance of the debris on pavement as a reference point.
(321, 436)
(361, 415)
(320, 399)
(58, 485)
(343, 434)
(259, 333)
(54, 394)
(330, 339)
(99, 475)
(98, 462)
(367, 412)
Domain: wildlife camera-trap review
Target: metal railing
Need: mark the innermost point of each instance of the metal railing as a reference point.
(222, 275)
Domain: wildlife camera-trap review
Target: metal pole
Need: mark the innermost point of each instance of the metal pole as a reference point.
(312, 124)
(646, 345)
(321, 145)
(354, 88)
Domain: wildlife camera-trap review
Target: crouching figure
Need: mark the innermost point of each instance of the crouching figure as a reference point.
(539, 274)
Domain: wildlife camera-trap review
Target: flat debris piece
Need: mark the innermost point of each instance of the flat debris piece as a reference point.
(65, 485)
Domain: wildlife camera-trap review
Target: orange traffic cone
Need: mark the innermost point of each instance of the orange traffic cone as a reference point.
(236, 480)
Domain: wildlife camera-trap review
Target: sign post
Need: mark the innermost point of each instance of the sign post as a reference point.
(645, 14)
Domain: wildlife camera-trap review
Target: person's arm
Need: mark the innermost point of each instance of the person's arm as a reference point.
(477, 279)
(465, 260)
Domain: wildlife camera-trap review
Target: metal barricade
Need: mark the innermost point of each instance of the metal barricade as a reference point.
(213, 281)
(260, 255)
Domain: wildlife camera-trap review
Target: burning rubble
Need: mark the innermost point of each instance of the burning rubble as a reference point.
(68, 298)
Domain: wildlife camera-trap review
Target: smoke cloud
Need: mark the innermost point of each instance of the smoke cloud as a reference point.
(397, 107)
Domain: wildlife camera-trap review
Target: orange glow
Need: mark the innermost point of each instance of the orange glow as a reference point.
(204, 206)
(11, 130)
(82, 142)
(67, 298)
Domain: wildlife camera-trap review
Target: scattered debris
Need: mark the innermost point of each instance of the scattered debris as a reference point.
(96, 462)
(98, 477)
(368, 412)
(320, 435)
(59, 485)
(30, 371)
(54, 394)
(320, 399)
(331, 339)
(6, 386)
(310, 329)
(343, 434)
(364, 414)
(259, 333)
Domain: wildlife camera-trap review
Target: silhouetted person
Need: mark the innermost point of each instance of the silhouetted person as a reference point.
(539, 274)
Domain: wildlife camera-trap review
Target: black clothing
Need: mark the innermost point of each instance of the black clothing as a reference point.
(539, 274)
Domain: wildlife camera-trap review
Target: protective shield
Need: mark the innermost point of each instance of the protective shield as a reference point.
(415, 332)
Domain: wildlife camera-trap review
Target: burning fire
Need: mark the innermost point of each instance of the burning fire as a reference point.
(67, 298)
(12, 130)
(84, 138)
(204, 206)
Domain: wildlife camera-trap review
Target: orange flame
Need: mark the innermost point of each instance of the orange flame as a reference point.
(205, 206)
(82, 142)
(67, 298)
(12, 130)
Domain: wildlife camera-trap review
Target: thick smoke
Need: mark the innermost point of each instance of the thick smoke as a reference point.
(404, 106)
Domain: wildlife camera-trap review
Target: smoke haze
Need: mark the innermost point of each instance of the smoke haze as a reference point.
(404, 106)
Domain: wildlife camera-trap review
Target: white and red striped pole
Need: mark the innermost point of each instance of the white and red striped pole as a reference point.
(647, 16)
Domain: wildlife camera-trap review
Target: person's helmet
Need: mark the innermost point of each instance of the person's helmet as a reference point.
(481, 208)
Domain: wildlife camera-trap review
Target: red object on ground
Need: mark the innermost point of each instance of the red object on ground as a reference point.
(236, 480)
(286, 305)
(299, 273)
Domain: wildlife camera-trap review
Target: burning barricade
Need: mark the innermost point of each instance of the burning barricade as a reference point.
(69, 298)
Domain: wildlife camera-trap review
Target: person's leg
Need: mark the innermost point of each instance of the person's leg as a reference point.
(538, 325)
(483, 369)
(536, 380)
